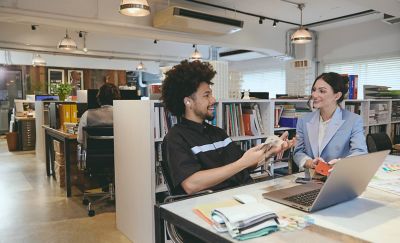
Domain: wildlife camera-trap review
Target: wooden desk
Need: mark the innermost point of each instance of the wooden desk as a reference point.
(374, 216)
(68, 140)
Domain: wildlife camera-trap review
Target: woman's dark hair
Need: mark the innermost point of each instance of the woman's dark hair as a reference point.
(107, 93)
(182, 81)
(339, 83)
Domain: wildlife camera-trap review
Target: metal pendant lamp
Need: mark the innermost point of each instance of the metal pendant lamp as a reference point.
(301, 36)
(67, 43)
(196, 55)
(140, 66)
(38, 60)
(136, 8)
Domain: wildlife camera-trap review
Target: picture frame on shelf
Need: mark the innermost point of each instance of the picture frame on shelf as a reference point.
(55, 77)
(75, 78)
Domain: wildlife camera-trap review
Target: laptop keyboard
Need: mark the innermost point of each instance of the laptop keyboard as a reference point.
(305, 198)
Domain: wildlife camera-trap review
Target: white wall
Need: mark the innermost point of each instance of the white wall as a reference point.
(369, 39)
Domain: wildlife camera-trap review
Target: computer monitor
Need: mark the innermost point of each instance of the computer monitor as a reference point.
(259, 95)
(46, 97)
(92, 99)
(129, 94)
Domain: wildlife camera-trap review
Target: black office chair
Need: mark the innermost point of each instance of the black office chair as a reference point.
(97, 162)
(173, 233)
(380, 141)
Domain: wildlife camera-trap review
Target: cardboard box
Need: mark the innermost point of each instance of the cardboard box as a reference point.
(58, 146)
(59, 158)
(59, 174)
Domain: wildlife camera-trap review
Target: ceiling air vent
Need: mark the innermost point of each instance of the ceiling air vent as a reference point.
(387, 18)
(186, 20)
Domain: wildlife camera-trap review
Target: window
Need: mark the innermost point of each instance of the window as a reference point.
(378, 71)
(265, 80)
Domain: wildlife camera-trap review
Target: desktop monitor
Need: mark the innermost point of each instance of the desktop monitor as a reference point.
(129, 94)
(259, 95)
(92, 99)
(46, 97)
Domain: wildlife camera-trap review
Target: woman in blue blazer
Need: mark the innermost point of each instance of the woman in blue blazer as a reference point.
(329, 132)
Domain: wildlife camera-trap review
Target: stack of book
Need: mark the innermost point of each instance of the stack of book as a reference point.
(245, 221)
(353, 86)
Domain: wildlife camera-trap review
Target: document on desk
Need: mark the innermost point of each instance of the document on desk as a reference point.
(204, 210)
(387, 178)
(245, 221)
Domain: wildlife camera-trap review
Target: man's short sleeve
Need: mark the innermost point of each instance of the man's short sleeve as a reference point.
(181, 161)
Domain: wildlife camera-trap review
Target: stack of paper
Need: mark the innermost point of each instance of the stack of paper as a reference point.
(245, 221)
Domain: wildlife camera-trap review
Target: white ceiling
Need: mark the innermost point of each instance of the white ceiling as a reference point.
(113, 35)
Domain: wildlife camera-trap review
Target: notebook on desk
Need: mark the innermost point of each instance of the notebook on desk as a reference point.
(348, 180)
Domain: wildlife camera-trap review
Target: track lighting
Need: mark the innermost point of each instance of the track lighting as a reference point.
(82, 34)
(34, 26)
(155, 41)
(260, 21)
(275, 22)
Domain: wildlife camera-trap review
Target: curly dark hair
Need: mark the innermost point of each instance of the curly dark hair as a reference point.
(107, 93)
(182, 81)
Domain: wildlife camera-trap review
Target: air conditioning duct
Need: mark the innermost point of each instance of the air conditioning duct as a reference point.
(389, 19)
(187, 20)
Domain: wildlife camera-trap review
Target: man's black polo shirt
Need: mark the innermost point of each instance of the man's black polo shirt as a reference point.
(190, 147)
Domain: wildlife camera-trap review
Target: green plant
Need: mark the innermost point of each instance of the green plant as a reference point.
(63, 90)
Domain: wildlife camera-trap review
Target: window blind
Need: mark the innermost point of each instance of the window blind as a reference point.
(265, 80)
(377, 71)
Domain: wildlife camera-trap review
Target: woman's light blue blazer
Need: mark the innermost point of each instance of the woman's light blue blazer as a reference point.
(344, 136)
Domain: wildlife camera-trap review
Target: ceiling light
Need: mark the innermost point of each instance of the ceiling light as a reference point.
(140, 66)
(275, 22)
(134, 8)
(67, 43)
(38, 60)
(260, 21)
(155, 41)
(301, 36)
(83, 34)
(196, 55)
(34, 26)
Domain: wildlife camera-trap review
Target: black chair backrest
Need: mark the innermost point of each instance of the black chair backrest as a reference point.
(378, 142)
(99, 146)
(166, 170)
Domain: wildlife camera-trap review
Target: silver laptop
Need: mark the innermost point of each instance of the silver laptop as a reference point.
(348, 180)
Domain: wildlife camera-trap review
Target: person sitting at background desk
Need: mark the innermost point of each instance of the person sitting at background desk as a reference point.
(201, 156)
(102, 116)
(330, 132)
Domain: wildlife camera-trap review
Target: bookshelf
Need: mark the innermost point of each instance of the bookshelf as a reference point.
(379, 115)
(137, 146)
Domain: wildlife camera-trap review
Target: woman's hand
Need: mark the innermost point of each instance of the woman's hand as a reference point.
(312, 163)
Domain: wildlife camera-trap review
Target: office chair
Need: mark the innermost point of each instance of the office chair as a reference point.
(97, 162)
(380, 141)
(173, 196)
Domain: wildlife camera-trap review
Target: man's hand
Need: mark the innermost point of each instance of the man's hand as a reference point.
(254, 155)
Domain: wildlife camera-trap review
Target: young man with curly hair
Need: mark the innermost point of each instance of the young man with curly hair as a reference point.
(201, 156)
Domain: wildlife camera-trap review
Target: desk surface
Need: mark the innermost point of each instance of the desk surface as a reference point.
(60, 132)
(374, 216)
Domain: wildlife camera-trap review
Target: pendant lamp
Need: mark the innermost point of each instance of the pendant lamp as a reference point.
(67, 43)
(136, 8)
(301, 36)
(38, 60)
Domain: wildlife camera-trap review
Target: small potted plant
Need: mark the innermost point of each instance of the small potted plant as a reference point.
(63, 90)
